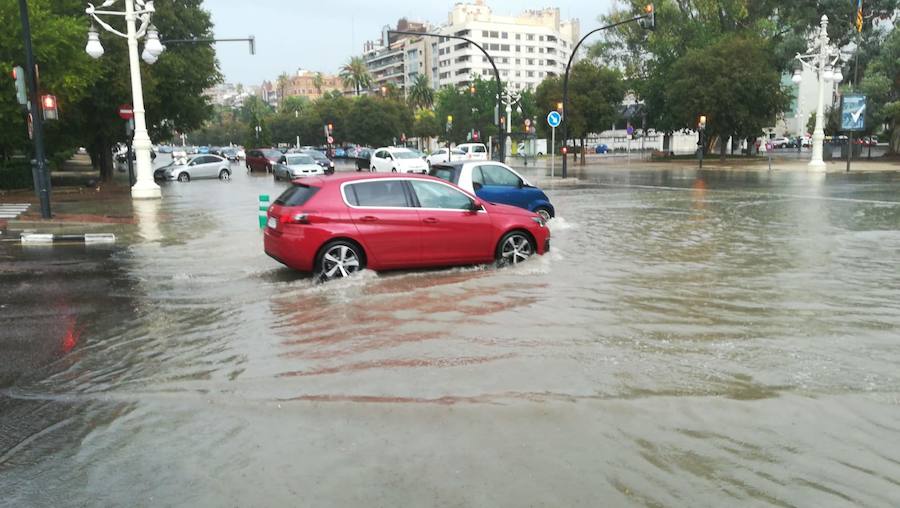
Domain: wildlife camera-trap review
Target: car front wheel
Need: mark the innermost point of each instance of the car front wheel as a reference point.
(337, 260)
(224, 175)
(184, 177)
(514, 248)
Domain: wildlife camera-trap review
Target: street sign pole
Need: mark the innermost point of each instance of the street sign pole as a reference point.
(552, 152)
(37, 115)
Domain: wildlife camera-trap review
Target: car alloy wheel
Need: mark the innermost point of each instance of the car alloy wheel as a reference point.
(224, 175)
(339, 259)
(514, 248)
(184, 177)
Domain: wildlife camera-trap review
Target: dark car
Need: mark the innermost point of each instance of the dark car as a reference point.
(229, 153)
(363, 159)
(262, 159)
(122, 157)
(320, 158)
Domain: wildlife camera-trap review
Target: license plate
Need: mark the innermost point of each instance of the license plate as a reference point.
(273, 223)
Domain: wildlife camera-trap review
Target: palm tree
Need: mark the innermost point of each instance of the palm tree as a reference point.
(355, 74)
(421, 94)
(281, 84)
(318, 82)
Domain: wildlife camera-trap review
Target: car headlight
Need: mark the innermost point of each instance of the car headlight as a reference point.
(540, 221)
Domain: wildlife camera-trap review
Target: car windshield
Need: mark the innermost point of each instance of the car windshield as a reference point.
(319, 156)
(299, 158)
(272, 154)
(444, 173)
(404, 155)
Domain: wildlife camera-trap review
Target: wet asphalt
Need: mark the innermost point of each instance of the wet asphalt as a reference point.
(693, 338)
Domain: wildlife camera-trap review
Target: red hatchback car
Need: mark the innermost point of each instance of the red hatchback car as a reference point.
(262, 159)
(336, 226)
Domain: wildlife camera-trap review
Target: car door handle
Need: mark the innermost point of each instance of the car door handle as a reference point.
(430, 220)
(368, 218)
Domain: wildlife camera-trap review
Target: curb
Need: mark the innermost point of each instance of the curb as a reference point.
(87, 238)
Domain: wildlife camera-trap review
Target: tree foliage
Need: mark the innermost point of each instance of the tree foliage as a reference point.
(355, 74)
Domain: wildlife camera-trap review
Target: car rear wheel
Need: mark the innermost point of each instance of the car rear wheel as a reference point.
(184, 177)
(224, 175)
(514, 248)
(339, 259)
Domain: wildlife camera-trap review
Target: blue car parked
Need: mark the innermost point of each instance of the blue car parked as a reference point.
(496, 183)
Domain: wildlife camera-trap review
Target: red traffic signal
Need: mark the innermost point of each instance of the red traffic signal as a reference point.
(50, 107)
(18, 75)
(648, 19)
(565, 150)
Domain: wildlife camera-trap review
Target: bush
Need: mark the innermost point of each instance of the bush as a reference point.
(15, 175)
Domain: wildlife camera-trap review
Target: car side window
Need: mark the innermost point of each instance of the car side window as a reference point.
(478, 149)
(435, 195)
(379, 193)
(477, 176)
(498, 175)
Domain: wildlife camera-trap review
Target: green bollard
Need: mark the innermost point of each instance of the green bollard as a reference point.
(263, 209)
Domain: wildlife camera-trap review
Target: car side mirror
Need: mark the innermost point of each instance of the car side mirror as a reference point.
(475, 206)
(521, 183)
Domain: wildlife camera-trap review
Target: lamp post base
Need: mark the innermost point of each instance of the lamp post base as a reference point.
(143, 191)
(817, 166)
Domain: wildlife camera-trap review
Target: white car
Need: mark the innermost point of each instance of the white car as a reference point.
(198, 166)
(440, 155)
(295, 165)
(474, 151)
(397, 160)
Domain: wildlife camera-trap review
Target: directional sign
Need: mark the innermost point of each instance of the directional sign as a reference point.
(853, 112)
(126, 112)
(554, 119)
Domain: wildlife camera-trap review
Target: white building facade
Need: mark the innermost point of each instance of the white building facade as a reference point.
(526, 48)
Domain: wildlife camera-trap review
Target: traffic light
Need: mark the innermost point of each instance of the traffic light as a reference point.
(330, 129)
(472, 89)
(49, 106)
(648, 20)
(18, 74)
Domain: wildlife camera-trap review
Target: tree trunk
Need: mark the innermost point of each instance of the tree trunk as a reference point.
(723, 148)
(894, 142)
(105, 160)
(667, 142)
(583, 152)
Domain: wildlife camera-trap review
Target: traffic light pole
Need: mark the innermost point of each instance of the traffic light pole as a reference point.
(34, 108)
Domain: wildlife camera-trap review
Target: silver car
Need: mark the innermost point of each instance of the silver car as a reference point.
(198, 166)
(295, 165)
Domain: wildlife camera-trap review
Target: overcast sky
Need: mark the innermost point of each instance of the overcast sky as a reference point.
(322, 35)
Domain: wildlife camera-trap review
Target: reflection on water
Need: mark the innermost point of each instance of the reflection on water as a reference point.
(692, 338)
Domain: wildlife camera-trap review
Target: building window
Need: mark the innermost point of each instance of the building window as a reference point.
(504, 35)
(504, 47)
(529, 37)
(530, 61)
(518, 49)
(495, 35)
(529, 49)
(540, 50)
(518, 74)
(504, 73)
(484, 33)
(518, 61)
(530, 74)
(494, 47)
(484, 59)
(541, 38)
(518, 37)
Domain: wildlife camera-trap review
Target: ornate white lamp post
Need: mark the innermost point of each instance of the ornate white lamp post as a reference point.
(821, 58)
(144, 187)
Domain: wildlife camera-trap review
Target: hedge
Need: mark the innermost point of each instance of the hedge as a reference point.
(16, 175)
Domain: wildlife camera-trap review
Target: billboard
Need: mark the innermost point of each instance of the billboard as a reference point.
(853, 112)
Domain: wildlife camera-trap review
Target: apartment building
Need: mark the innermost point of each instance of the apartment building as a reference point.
(526, 48)
(397, 59)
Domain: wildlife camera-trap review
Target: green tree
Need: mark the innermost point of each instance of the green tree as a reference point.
(426, 124)
(421, 95)
(378, 121)
(739, 96)
(355, 74)
(281, 84)
(66, 71)
(882, 87)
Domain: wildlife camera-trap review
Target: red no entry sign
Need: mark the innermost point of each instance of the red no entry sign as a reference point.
(126, 112)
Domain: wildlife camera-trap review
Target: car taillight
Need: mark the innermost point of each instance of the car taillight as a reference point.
(300, 218)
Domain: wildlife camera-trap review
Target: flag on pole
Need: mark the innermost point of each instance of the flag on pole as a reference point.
(859, 16)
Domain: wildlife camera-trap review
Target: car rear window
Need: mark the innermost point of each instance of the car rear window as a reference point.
(479, 149)
(442, 172)
(296, 195)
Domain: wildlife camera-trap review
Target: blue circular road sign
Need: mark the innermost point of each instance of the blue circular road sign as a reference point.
(554, 119)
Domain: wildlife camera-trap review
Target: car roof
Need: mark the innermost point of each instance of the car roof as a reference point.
(338, 179)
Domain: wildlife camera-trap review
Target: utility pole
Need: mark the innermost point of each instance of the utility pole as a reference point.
(36, 113)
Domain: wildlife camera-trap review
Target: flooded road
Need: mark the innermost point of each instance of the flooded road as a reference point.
(692, 339)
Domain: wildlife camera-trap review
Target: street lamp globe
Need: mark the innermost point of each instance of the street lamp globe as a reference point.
(828, 75)
(94, 48)
(152, 43)
(148, 56)
(838, 76)
(797, 77)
